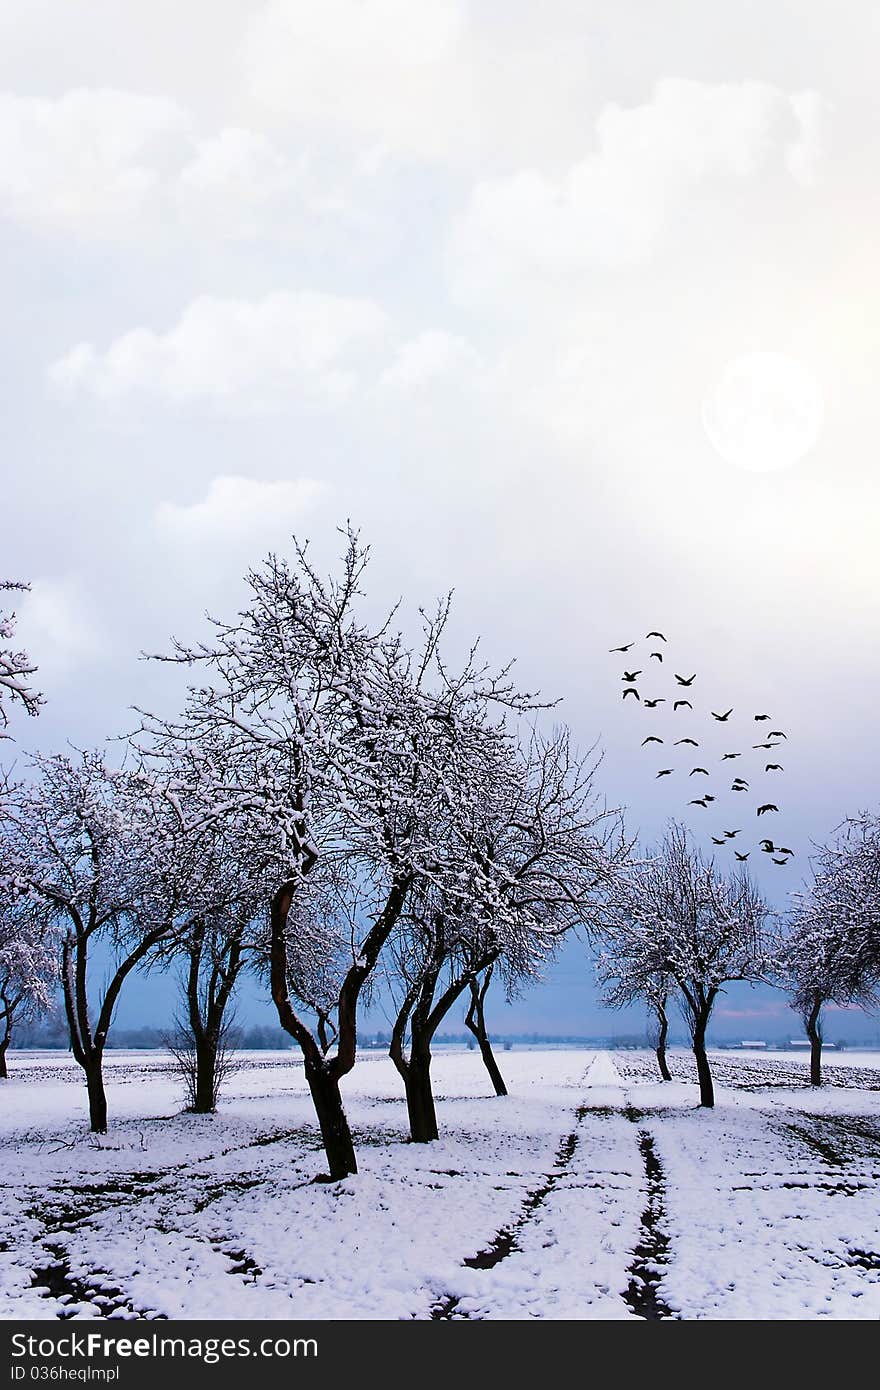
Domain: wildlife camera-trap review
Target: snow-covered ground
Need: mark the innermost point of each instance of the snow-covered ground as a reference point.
(591, 1191)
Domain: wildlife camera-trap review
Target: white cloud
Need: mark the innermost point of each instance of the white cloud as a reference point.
(804, 156)
(120, 165)
(87, 161)
(63, 631)
(236, 354)
(448, 80)
(611, 208)
(430, 356)
(367, 64)
(238, 179)
(240, 507)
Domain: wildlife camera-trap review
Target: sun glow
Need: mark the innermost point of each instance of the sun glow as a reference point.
(764, 412)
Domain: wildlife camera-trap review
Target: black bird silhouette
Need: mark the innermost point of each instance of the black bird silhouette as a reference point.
(741, 857)
(665, 771)
(622, 649)
(763, 745)
(762, 810)
(766, 846)
(678, 704)
(630, 676)
(655, 634)
(690, 680)
(780, 861)
(761, 716)
(729, 834)
(780, 849)
(774, 767)
(659, 655)
(716, 841)
(730, 755)
(691, 741)
(698, 769)
(631, 690)
(739, 786)
(722, 717)
(701, 801)
(651, 704)
(652, 738)
(776, 733)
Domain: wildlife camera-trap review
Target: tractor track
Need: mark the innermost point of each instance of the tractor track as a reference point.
(651, 1254)
(504, 1242)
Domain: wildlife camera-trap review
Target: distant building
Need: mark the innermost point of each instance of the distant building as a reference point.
(757, 1042)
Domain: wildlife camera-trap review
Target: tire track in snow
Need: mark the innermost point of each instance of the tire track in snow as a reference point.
(504, 1242)
(601, 1071)
(651, 1254)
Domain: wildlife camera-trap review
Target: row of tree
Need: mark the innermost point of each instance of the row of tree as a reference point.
(334, 807)
(341, 810)
(677, 929)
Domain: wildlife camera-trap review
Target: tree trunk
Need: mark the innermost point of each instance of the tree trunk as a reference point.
(206, 1010)
(814, 1033)
(4, 1039)
(475, 1020)
(704, 1075)
(665, 1073)
(8, 1003)
(202, 1084)
(97, 1097)
(420, 1097)
(491, 1065)
(416, 1073)
(205, 1093)
(324, 1083)
(88, 1049)
(327, 1100)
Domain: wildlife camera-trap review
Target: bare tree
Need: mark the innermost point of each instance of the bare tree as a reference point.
(829, 952)
(222, 911)
(441, 947)
(214, 953)
(330, 732)
(91, 844)
(28, 968)
(621, 973)
(433, 946)
(475, 1021)
(16, 667)
(526, 852)
(847, 885)
(202, 1076)
(657, 994)
(677, 915)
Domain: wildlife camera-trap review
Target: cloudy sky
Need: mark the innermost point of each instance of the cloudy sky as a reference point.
(570, 307)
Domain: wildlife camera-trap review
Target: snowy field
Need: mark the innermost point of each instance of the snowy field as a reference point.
(592, 1191)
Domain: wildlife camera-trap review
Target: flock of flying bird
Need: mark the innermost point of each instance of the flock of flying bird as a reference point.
(709, 800)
